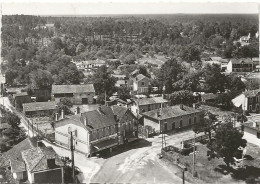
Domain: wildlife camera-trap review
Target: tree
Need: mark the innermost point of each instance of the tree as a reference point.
(227, 141)
(130, 59)
(103, 82)
(10, 118)
(69, 75)
(124, 93)
(181, 97)
(80, 48)
(41, 78)
(190, 53)
(65, 104)
(206, 125)
(143, 70)
(170, 72)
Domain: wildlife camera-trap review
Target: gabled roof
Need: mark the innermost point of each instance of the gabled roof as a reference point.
(136, 71)
(139, 77)
(36, 158)
(86, 88)
(242, 60)
(119, 111)
(38, 106)
(251, 93)
(149, 101)
(99, 118)
(170, 112)
(216, 58)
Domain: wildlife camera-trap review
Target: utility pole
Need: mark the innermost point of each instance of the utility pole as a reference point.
(72, 156)
(193, 169)
(105, 97)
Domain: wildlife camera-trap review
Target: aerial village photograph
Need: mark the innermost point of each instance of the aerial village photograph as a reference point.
(129, 92)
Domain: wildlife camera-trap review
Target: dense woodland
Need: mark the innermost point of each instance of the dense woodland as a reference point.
(40, 55)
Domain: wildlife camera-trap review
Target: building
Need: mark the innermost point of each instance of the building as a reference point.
(127, 124)
(171, 118)
(240, 65)
(252, 129)
(223, 65)
(42, 94)
(78, 94)
(39, 108)
(139, 106)
(255, 62)
(248, 100)
(119, 77)
(43, 165)
(208, 97)
(90, 65)
(139, 84)
(20, 99)
(245, 40)
(96, 130)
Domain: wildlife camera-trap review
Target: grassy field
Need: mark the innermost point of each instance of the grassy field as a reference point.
(216, 170)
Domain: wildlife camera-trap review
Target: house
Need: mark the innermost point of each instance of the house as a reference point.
(245, 39)
(240, 65)
(121, 83)
(78, 94)
(20, 99)
(139, 84)
(43, 165)
(171, 118)
(208, 97)
(39, 108)
(248, 100)
(255, 62)
(90, 65)
(139, 106)
(252, 129)
(127, 124)
(119, 77)
(95, 130)
(223, 65)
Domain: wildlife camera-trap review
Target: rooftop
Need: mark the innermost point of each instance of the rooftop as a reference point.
(241, 61)
(38, 106)
(119, 111)
(148, 101)
(36, 158)
(20, 94)
(170, 112)
(139, 77)
(86, 88)
(251, 93)
(97, 61)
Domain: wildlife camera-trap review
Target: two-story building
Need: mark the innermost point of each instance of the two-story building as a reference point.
(171, 118)
(248, 100)
(240, 65)
(139, 84)
(78, 94)
(103, 128)
(139, 106)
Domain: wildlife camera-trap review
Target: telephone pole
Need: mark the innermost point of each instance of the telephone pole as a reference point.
(193, 169)
(72, 156)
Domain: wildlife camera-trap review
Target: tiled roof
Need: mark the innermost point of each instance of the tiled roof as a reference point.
(38, 106)
(148, 101)
(119, 111)
(99, 118)
(20, 94)
(239, 61)
(14, 154)
(170, 112)
(36, 158)
(17, 166)
(87, 88)
(251, 93)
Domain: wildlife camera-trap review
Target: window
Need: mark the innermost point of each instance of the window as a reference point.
(142, 83)
(195, 119)
(189, 121)
(250, 107)
(258, 135)
(180, 123)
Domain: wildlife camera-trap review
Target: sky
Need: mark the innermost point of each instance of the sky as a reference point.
(90, 7)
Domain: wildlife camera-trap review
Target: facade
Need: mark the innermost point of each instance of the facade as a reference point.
(139, 84)
(248, 100)
(43, 165)
(139, 106)
(39, 108)
(78, 94)
(240, 65)
(171, 118)
(20, 99)
(252, 129)
(103, 128)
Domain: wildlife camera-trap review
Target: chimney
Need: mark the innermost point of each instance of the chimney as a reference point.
(62, 114)
(78, 110)
(181, 106)
(39, 144)
(56, 116)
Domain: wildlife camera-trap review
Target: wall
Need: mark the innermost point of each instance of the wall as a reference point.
(229, 66)
(63, 137)
(77, 98)
(41, 113)
(127, 124)
(250, 136)
(151, 123)
(49, 176)
(18, 176)
(240, 100)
